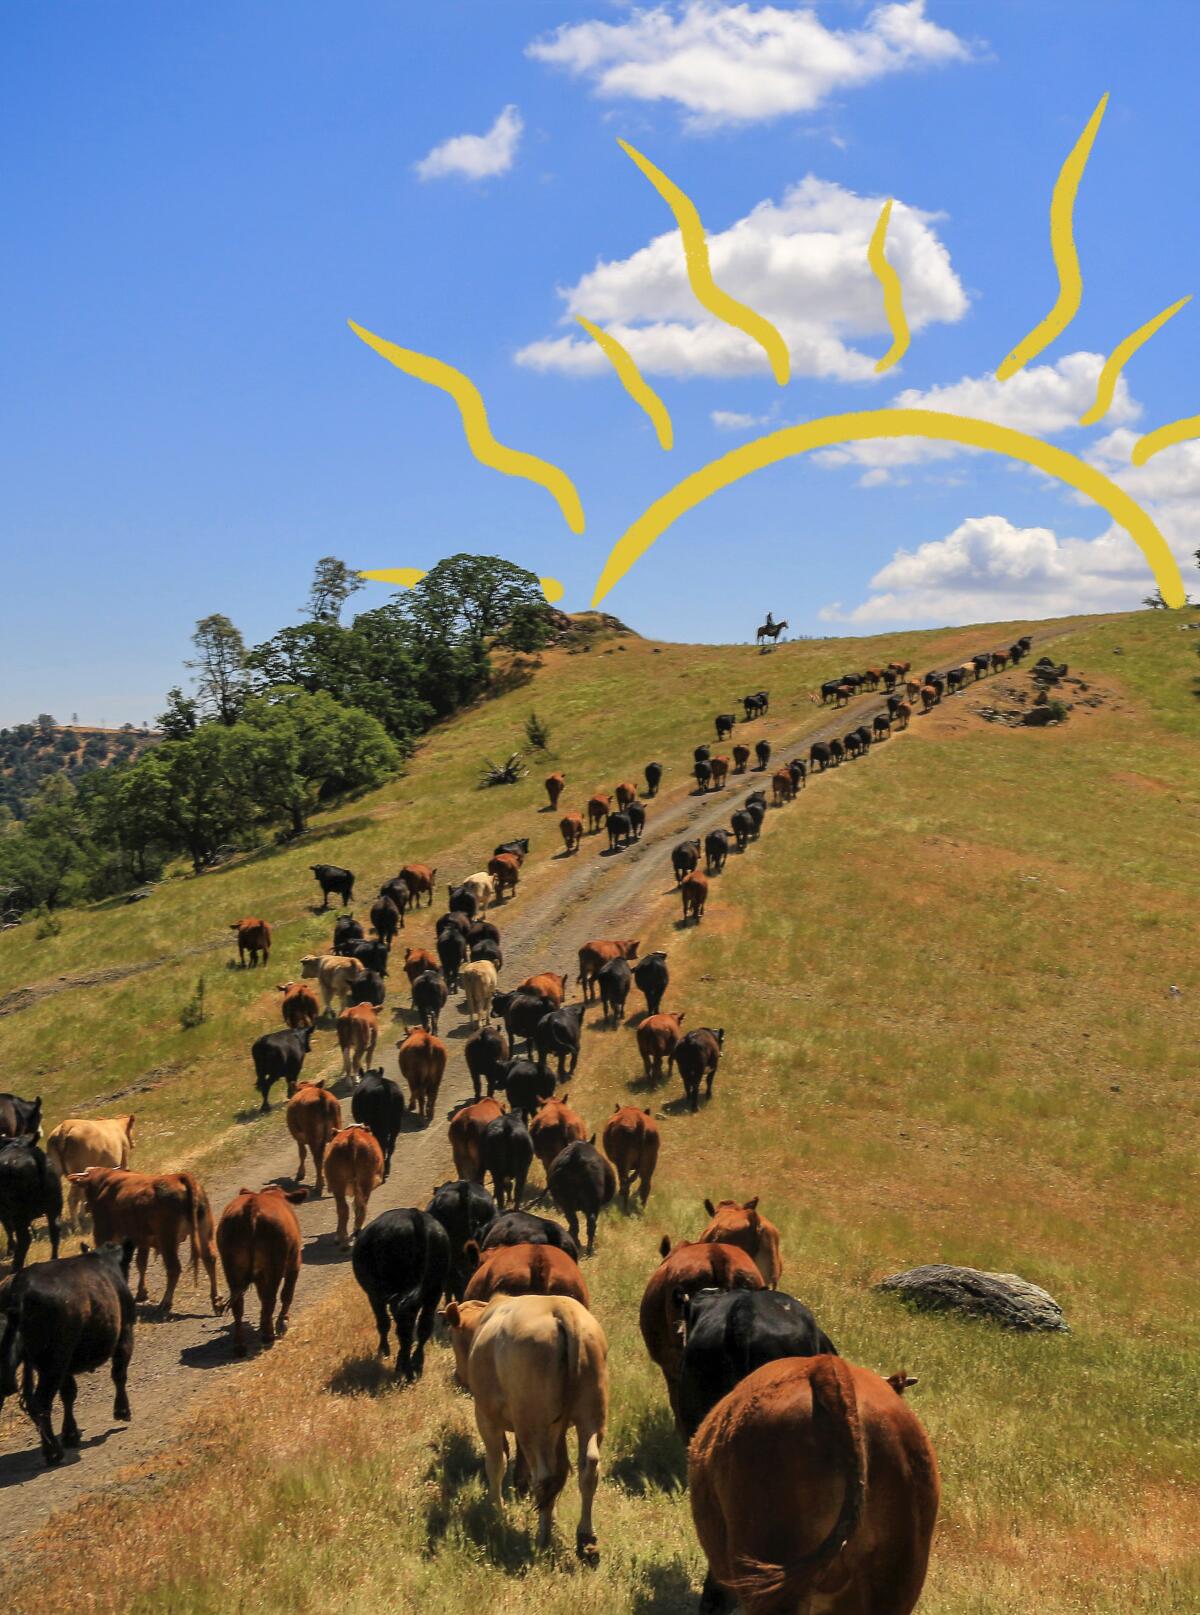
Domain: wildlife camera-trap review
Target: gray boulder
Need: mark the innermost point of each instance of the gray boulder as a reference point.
(1002, 1297)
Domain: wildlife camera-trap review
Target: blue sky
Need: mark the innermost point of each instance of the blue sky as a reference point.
(196, 200)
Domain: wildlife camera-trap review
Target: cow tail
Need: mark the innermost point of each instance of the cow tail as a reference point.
(54, 1153)
(12, 1350)
(568, 1366)
(400, 1300)
(192, 1188)
(773, 1589)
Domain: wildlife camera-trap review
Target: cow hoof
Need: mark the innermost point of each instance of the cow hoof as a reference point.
(586, 1549)
(123, 1412)
(72, 1438)
(53, 1456)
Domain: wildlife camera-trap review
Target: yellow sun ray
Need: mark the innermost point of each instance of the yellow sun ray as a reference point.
(1062, 245)
(633, 381)
(884, 423)
(409, 576)
(705, 289)
(1106, 386)
(511, 462)
(1165, 437)
(893, 293)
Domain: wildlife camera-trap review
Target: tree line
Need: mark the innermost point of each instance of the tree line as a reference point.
(269, 733)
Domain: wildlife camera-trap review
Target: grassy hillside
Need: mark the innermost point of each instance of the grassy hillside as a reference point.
(943, 976)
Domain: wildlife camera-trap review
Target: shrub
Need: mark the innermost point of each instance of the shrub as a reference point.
(537, 732)
(195, 1012)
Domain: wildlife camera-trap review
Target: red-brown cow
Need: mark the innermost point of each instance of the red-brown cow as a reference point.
(253, 938)
(554, 1127)
(525, 1270)
(657, 1036)
(417, 961)
(505, 870)
(597, 811)
(313, 1117)
(258, 1238)
(357, 1035)
(549, 985)
(782, 789)
(694, 891)
(631, 1141)
(467, 1127)
(554, 788)
(423, 1065)
(741, 756)
(354, 1168)
(626, 792)
(902, 714)
(682, 1271)
(158, 1212)
(745, 1227)
(718, 772)
(300, 1005)
(593, 955)
(419, 879)
(571, 828)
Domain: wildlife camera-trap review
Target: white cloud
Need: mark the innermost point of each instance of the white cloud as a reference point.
(801, 261)
(476, 156)
(874, 478)
(740, 63)
(732, 420)
(988, 569)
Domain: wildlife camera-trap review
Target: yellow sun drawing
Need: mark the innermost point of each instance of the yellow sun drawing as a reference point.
(856, 426)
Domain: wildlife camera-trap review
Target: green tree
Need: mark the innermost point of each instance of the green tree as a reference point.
(332, 585)
(219, 666)
(181, 716)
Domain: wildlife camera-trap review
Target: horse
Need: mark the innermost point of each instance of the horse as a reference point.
(771, 631)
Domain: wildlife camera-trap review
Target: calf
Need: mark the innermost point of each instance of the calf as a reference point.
(526, 1270)
(631, 1141)
(701, 754)
(684, 858)
(620, 831)
(554, 788)
(368, 989)
(697, 1055)
(299, 1007)
(657, 1037)
(536, 1365)
(357, 1035)
(653, 772)
(452, 950)
(725, 722)
(253, 938)
(63, 1318)
(798, 772)
(558, 1034)
(75, 1145)
(378, 1103)
(486, 1052)
(507, 1153)
(679, 1275)
(402, 1264)
(571, 828)
(30, 1187)
(746, 1227)
(716, 850)
(614, 981)
(595, 954)
(313, 1117)
(694, 891)
(597, 811)
(157, 1213)
(279, 1055)
(652, 977)
(727, 1334)
(903, 714)
(429, 998)
(720, 772)
(258, 1239)
(636, 814)
(554, 1127)
(478, 980)
(523, 1228)
(796, 1430)
(781, 786)
(332, 878)
(741, 756)
(466, 1211)
(386, 919)
(419, 879)
(422, 1065)
(929, 697)
(703, 772)
(354, 1168)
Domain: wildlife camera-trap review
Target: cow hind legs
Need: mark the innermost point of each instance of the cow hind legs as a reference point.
(71, 1436)
(714, 1600)
(589, 1475)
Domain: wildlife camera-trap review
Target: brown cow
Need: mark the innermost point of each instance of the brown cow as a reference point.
(300, 1006)
(158, 1213)
(549, 985)
(74, 1145)
(814, 1487)
(782, 789)
(467, 1127)
(741, 756)
(929, 697)
(626, 793)
(357, 1035)
(505, 870)
(554, 1127)
(718, 772)
(902, 714)
(422, 1065)
(313, 1117)
(571, 827)
(682, 1271)
(657, 1036)
(419, 960)
(899, 668)
(354, 1168)
(258, 1238)
(745, 1227)
(597, 811)
(694, 891)
(525, 1270)
(912, 688)
(999, 660)
(418, 878)
(631, 1141)
(253, 938)
(554, 788)
(593, 955)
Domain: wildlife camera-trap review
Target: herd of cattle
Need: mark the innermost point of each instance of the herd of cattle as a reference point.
(809, 1478)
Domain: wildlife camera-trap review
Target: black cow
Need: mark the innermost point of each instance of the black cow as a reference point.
(818, 756)
(454, 921)
(653, 773)
(716, 850)
(20, 1118)
(486, 1052)
(61, 1319)
(703, 773)
(279, 1054)
(482, 931)
(757, 809)
(519, 849)
(702, 754)
(398, 892)
(652, 976)
(894, 703)
(451, 947)
(889, 678)
(462, 901)
(523, 1228)
(525, 1085)
(799, 773)
(837, 752)
(521, 1010)
(614, 978)
(488, 951)
(762, 753)
(386, 919)
(506, 1150)
(743, 825)
(684, 858)
(698, 1054)
(581, 1180)
(882, 725)
(755, 706)
(620, 830)
(558, 1033)
(368, 988)
(332, 878)
(371, 955)
(637, 819)
(30, 1187)
(982, 664)
(1025, 642)
(466, 1211)
(378, 1104)
(725, 722)
(401, 1260)
(346, 929)
(829, 690)
(727, 1334)
(429, 998)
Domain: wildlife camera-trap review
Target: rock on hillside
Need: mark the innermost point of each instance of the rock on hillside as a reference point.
(1002, 1297)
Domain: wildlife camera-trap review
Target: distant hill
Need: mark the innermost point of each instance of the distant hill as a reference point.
(33, 752)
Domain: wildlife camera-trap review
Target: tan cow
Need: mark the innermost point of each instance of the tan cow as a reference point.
(631, 1141)
(313, 1117)
(334, 974)
(158, 1213)
(73, 1146)
(253, 938)
(478, 982)
(536, 1365)
(300, 1007)
(746, 1227)
(357, 1035)
(814, 1487)
(482, 888)
(423, 1065)
(593, 956)
(354, 1169)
